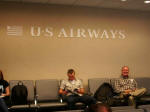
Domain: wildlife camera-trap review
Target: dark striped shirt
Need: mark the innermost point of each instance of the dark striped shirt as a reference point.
(125, 84)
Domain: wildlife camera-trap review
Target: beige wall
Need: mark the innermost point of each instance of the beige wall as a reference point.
(28, 57)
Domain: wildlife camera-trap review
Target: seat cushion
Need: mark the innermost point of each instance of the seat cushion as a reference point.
(130, 110)
(143, 82)
(52, 104)
(122, 108)
(47, 89)
(143, 106)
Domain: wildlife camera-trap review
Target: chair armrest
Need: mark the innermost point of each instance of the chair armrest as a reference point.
(36, 99)
(89, 93)
(61, 98)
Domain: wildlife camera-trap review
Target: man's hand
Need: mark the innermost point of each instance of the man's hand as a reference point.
(3, 95)
(63, 92)
(81, 91)
(127, 91)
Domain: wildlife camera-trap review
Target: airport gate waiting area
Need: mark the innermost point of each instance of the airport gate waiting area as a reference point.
(43, 96)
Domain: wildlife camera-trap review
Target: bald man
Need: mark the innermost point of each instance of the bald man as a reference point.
(128, 87)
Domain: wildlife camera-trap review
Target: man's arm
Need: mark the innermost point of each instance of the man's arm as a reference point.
(62, 92)
(133, 86)
(118, 86)
(62, 88)
(80, 90)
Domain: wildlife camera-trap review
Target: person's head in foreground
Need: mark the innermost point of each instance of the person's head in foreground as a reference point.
(100, 107)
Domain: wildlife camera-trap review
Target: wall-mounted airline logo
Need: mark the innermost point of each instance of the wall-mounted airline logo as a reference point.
(52, 32)
(15, 30)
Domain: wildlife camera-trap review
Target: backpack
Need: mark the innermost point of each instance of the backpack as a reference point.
(105, 94)
(19, 94)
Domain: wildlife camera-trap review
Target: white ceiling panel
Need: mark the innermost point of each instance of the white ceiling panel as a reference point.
(135, 5)
(88, 2)
(146, 7)
(117, 4)
(35, 1)
(12, 0)
(112, 4)
(65, 2)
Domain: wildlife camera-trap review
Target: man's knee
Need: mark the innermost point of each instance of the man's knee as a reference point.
(88, 99)
(70, 99)
(144, 90)
(131, 98)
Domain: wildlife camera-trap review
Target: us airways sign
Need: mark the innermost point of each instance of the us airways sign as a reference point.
(78, 33)
(52, 32)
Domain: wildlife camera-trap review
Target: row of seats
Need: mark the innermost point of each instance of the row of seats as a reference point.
(94, 83)
(46, 91)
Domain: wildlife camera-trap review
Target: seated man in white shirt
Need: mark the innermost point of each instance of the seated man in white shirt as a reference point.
(72, 91)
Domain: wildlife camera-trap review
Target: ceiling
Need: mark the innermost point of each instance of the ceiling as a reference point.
(114, 4)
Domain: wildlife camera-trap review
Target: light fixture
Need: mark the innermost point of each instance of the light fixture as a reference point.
(123, 0)
(147, 1)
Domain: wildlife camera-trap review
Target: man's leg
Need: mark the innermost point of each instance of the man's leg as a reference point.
(87, 100)
(3, 106)
(131, 101)
(71, 100)
(138, 92)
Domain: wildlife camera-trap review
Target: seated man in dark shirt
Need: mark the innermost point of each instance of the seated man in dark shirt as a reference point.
(128, 87)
